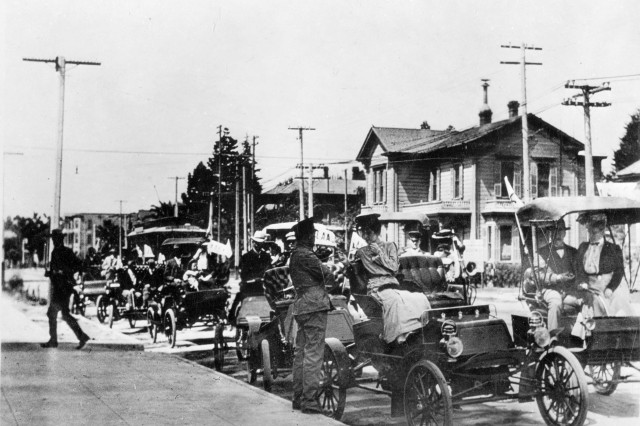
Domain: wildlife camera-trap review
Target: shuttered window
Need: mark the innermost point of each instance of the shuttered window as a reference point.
(553, 181)
(456, 181)
(379, 185)
(517, 179)
(434, 187)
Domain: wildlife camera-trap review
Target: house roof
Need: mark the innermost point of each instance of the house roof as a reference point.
(418, 141)
(629, 172)
(320, 187)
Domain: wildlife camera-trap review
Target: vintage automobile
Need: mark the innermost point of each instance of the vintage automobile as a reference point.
(270, 344)
(113, 304)
(603, 345)
(460, 355)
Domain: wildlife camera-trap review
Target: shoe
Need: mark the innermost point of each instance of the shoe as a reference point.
(315, 409)
(296, 405)
(49, 344)
(83, 342)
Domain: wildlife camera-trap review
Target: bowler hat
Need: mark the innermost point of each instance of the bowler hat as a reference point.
(56, 233)
(304, 228)
(367, 219)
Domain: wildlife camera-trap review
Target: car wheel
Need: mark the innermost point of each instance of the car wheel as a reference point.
(427, 399)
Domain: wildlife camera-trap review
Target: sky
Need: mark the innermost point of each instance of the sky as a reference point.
(172, 71)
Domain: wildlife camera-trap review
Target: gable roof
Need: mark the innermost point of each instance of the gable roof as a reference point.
(418, 141)
(320, 187)
(631, 172)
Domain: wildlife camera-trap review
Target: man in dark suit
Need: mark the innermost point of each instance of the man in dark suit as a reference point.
(600, 265)
(63, 265)
(557, 274)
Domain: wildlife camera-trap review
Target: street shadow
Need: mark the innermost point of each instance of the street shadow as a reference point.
(624, 402)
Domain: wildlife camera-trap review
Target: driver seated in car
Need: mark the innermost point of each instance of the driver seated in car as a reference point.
(556, 272)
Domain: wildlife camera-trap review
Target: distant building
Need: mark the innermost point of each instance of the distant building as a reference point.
(80, 229)
(328, 194)
(456, 178)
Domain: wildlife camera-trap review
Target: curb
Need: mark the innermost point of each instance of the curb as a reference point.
(246, 385)
(69, 346)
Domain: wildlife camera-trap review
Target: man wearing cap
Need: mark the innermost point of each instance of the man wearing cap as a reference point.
(289, 245)
(110, 264)
(63, 265)
(252, 266)
(599, 266)
(310, 308)
(557, 273)
(413, 245)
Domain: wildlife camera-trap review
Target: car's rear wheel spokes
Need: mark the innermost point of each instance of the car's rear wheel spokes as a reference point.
(427, 397)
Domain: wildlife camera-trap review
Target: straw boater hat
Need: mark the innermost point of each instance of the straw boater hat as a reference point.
(291, 236)
(259, 237)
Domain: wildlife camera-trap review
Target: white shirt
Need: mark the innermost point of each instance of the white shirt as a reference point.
(591, 259)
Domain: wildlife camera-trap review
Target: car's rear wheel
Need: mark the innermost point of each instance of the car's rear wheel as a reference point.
(169, 325)
(605, 377)
(151, 326)
(267, 376)
(332, 395)
(101, 308)
(427, 400)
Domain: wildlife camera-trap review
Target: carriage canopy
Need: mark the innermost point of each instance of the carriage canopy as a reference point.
(618, 210)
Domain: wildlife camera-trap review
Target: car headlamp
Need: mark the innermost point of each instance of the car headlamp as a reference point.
(536, 320)
(542, 337)
(454, 347)
(449, 328)
(589, 324)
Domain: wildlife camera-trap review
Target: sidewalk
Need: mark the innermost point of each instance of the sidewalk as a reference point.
(103, 384)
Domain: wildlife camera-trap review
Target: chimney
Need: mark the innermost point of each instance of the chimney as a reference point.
(513, 108)
(485, 112)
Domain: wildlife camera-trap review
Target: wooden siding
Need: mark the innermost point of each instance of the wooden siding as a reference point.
(412, 182)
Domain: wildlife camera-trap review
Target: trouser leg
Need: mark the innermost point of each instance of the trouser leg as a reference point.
(73, 324)
(52, 314)
(313, 355)
(298, 359)
(553, 299)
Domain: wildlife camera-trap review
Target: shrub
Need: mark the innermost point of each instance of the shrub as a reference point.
(507, 275)
(15, 284)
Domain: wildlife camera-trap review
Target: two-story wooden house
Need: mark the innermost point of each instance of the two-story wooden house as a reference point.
(456, 177)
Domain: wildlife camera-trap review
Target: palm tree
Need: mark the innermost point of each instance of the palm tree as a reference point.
(164, 209)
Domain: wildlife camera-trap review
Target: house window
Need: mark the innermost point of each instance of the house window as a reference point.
(490, 242)
(379, 185)
(510, 170)
(457, 181)
(434, 185)
(544, 180)
(505, 243)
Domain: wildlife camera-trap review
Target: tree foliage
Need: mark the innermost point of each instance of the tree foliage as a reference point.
(202, 185)
(164, 209)
(629, 150)
(34, 229)
(108, 234)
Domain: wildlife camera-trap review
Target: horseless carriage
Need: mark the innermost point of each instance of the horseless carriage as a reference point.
(462, 354)
(603, 345)
(176, 304)
(271, 344)
(113, 304)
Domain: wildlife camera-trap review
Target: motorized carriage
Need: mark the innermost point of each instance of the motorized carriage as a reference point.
(457, 271)
(115, 303)
(602, 345)
(270, 344)
(461, 354)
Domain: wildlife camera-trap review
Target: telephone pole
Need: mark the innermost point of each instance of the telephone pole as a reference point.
(251, 208)
(120, 231)
(175, 208)
(587, 91)
(301, 186)
(60, 63)
(526, 184)
(221, 131)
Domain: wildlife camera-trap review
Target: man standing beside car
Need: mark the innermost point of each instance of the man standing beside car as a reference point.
(310, 309)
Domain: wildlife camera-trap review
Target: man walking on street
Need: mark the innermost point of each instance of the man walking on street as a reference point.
(63, 265)
(310, 311)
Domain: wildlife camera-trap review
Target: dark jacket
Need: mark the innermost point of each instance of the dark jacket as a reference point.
(253, 265)
(64, 263)
(558, 265)
(308, 275)
(610, 262)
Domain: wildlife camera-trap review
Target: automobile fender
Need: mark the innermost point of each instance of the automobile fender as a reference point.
(345, 373)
